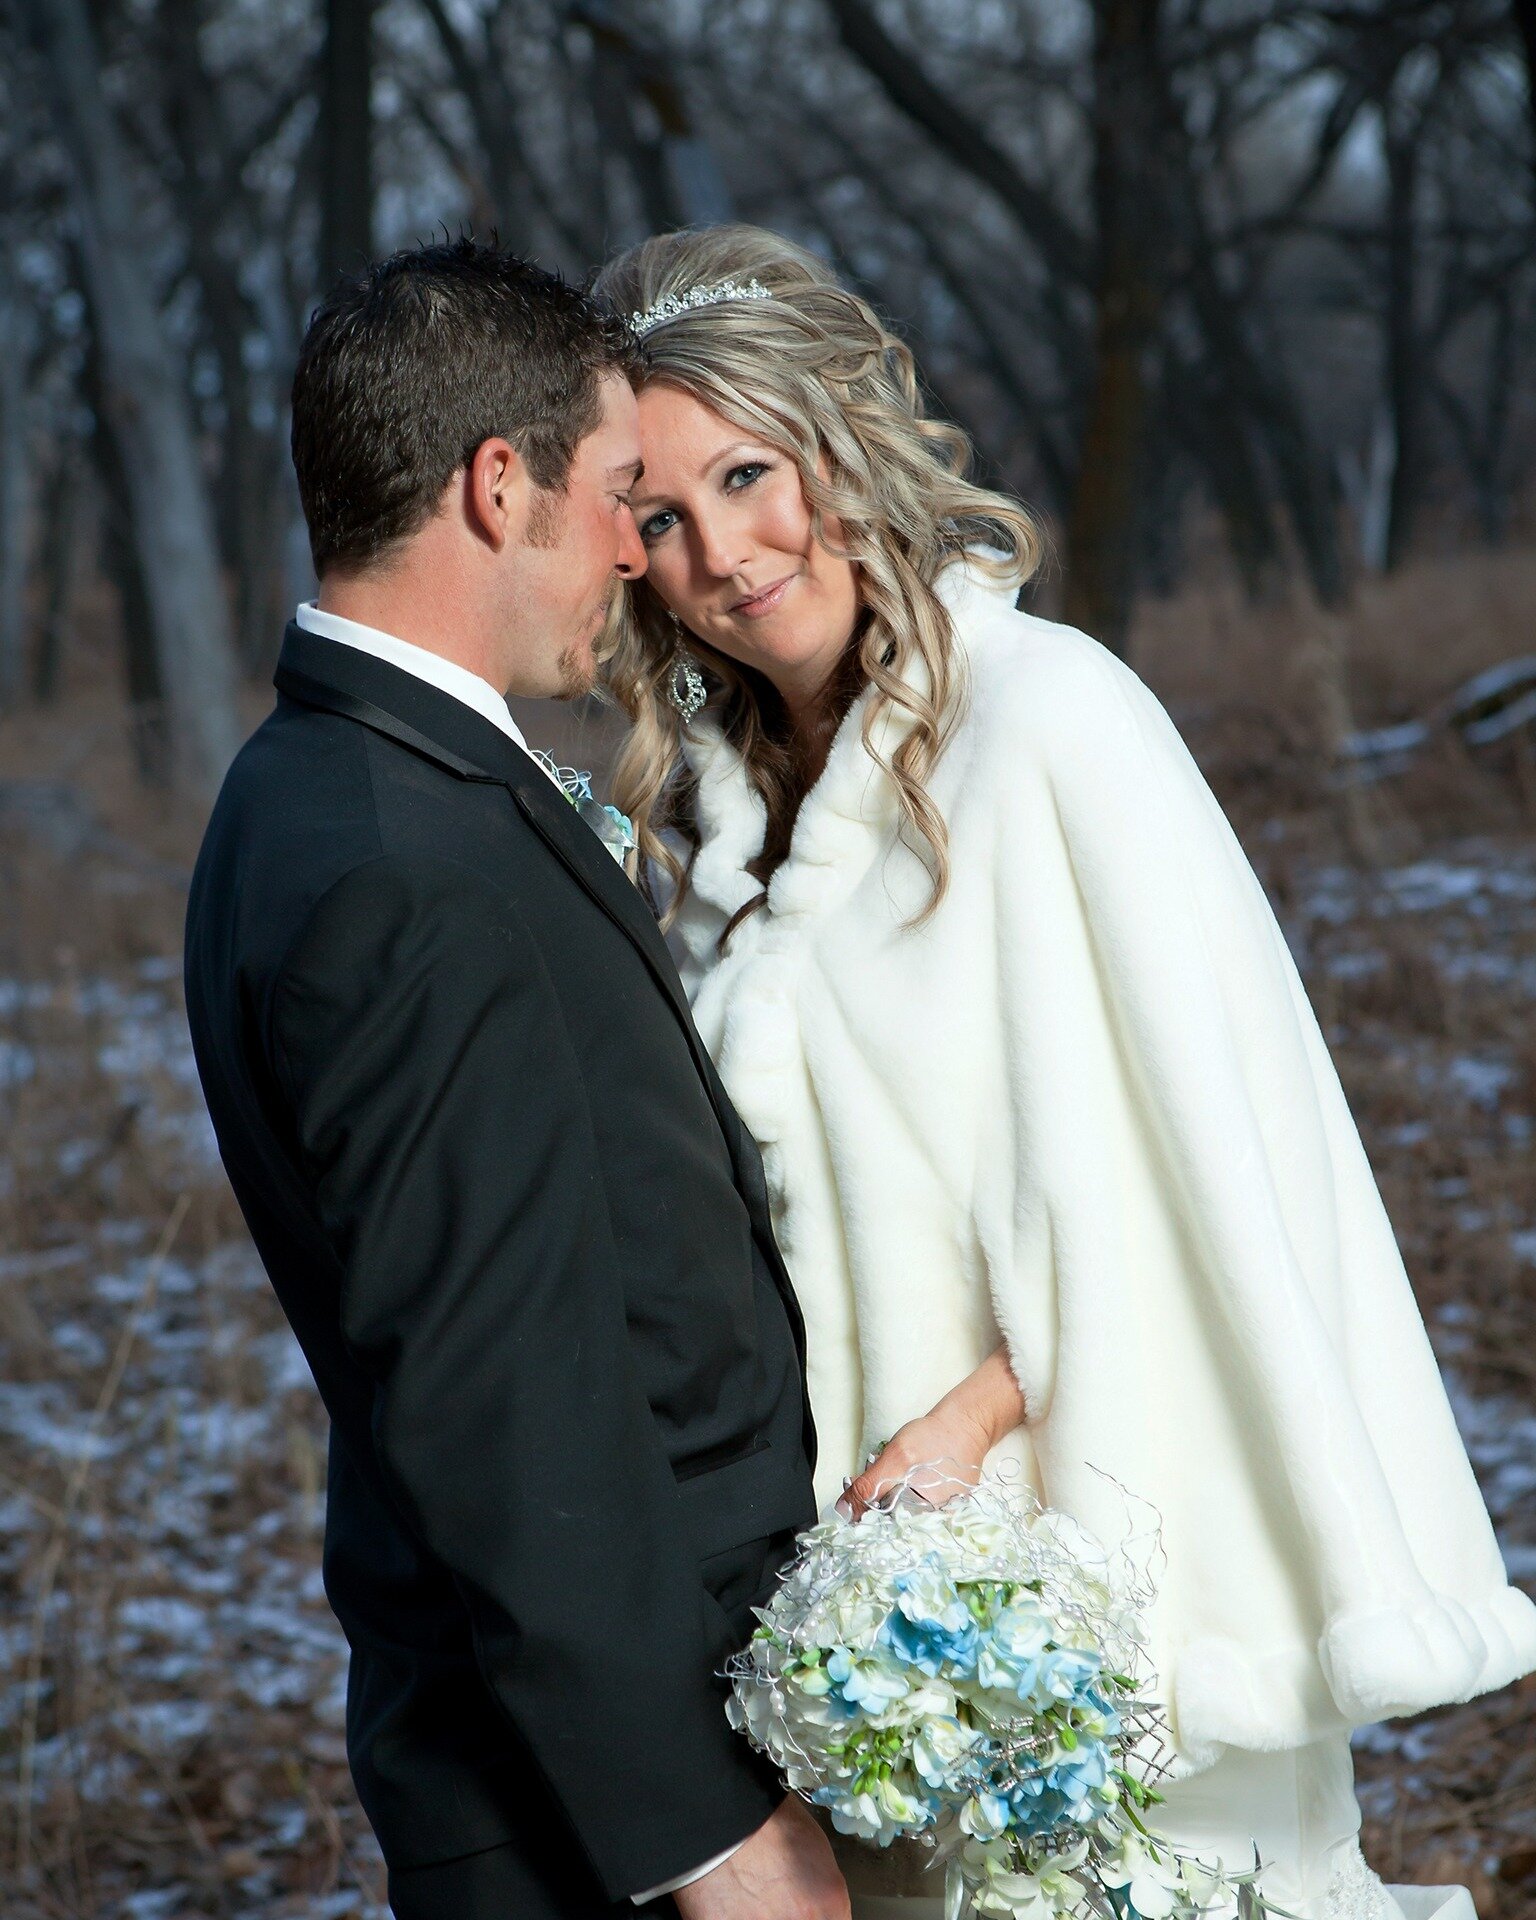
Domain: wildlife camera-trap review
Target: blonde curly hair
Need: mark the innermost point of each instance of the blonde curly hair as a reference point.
(814, 373)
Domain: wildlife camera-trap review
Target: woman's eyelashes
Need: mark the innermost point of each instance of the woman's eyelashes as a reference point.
(753, 470)
(747, 474)
(654, 527)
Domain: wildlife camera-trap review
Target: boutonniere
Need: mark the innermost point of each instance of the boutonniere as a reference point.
(611, 827)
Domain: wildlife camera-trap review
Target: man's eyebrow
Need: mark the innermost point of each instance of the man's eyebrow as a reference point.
(630, 470)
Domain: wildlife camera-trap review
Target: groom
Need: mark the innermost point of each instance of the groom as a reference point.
(517, 1227)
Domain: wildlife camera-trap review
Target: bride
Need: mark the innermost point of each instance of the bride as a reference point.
(1059, 1161)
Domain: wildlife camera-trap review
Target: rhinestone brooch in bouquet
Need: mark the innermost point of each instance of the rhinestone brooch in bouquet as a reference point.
(973, 1676)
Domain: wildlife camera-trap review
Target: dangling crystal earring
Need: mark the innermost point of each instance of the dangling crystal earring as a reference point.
(685, 684)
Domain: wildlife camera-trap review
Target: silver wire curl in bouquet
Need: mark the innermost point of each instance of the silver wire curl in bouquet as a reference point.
(974, 1676)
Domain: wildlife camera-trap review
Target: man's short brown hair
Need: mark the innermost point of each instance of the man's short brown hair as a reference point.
(407, 367)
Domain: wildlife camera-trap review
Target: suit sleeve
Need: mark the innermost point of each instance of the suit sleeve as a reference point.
(442, 1113)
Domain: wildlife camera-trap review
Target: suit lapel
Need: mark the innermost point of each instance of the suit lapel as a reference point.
(323, 673)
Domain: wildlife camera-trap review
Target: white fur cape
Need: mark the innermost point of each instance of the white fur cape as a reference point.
(1087, 1106)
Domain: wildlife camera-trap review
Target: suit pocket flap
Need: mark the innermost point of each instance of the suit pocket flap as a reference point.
(747, 1499)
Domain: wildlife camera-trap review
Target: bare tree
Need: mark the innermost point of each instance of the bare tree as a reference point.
(16, 329)
(1130, 103)
(346, 137)
(207, 150)
(1525, 21)
(172, 522)
(643, 110)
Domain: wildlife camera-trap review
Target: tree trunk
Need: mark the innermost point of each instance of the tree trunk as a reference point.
(346, 139)
(122, 562)
(14, 449)
(254, 487)
(1103, 526)
(1404, 372)
(1251, 376)
(1525, 20)
(171, 518)
(1215, 433)
(56, 565)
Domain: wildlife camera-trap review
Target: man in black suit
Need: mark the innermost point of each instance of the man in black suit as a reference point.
(517, 1227)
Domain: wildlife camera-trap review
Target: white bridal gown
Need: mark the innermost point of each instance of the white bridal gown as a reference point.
(1085, 1107)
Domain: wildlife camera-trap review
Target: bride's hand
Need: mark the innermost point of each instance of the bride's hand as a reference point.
(941, 1454)
(935, 1457)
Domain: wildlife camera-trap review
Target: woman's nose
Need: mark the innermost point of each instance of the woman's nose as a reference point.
(721, 549)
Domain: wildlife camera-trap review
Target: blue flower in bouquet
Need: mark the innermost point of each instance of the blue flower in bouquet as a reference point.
(1077, 1775)
(1042, 1801)
(1036, 1805)
(1010, 1656)
(985, 1816)
(866, 1682)
(931, 1625)
(1096, 1717)
(1067, 1674)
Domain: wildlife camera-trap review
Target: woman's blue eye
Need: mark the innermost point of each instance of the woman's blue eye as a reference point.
(746, 475)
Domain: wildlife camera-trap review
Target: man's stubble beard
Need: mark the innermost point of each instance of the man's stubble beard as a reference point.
(546, 518)
(577, 665)
(577, 668)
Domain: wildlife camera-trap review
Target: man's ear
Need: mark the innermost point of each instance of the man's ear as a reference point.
(497, 492)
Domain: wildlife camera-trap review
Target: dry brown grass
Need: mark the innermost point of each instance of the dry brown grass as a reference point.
(168, 1669)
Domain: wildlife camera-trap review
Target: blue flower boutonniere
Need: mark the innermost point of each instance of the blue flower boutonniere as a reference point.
(611, 827)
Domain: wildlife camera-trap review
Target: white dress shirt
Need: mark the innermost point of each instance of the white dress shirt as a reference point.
(450, 678)
(446, 675)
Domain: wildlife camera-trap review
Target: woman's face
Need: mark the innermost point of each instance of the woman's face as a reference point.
(727, 532)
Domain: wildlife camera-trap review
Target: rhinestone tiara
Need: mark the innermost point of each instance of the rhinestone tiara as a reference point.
(672, 305)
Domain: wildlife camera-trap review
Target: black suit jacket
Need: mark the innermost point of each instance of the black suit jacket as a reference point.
(524, 1242)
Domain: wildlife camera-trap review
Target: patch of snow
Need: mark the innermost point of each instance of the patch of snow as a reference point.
(287, 1369)
(26, 1266)
(84, 1344)
(165, 1725)
(23, 996)
(1480, 1082)
(155, 1903)
(40, 1415)
(288, 1822)
(163, 1616)
(18, 1064)
(1499, 1433)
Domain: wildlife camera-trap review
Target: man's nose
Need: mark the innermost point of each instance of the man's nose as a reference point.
(633, 558)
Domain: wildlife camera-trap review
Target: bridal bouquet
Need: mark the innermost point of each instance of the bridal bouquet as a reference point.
(972, 1675)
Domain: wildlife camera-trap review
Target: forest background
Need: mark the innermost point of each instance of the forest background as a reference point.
(1240, 295)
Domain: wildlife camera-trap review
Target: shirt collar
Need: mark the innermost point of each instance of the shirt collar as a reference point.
(446, 675)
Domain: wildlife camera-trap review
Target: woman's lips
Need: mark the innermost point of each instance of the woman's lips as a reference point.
(766, 601)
